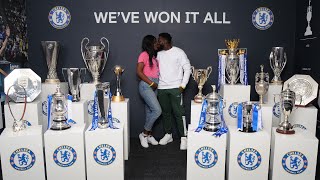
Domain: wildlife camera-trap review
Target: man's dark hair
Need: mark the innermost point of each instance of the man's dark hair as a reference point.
(166, 36)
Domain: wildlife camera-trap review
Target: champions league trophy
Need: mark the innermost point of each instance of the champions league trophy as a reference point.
(262, 84)
(309, 16)
(74, 81)
(117, 97)
(51, 51)
(232, 62)
(213, 114)
(278, 60)
(95, 57)
(59, 109)
(200, 76)
(103, 104)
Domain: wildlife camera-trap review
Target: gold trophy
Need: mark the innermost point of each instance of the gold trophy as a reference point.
(200, 76)
(118, 97)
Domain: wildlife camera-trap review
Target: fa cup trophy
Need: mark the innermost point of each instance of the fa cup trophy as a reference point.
(262, 84)
(74, 81)
(103, 104)
(278, 60)
(232, 62)
(200, 76)
(51, 51)
(117, 97)
(95, 57)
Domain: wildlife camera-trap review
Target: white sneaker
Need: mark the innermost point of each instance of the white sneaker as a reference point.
(184, 143)
(152, 140)
(167, 138)
(143, 140)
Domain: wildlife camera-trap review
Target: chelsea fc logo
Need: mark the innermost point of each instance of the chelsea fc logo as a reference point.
(90, 107)
(104, 154)
(276, 110)
(262, 18)
(45, 108)
(59, 17)
(22, 159)
(232, 110)
(294, 162)
(65, 156)
(206, 157)
(249, 159)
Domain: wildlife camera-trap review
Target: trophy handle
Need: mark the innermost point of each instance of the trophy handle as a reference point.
(63, 71)
(209, 69)
(274, 97)
(285, 61)
(104, 46)
(86, 49)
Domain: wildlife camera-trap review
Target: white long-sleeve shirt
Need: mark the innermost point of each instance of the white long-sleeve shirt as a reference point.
(174, 68)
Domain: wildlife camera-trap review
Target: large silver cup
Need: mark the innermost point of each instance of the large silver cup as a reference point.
(262, 84)
(74, 76)
(51, 51)
(232, 62)
(95, 57)
(278, 60)
(103, 104)
(200, 76)
(117, 96)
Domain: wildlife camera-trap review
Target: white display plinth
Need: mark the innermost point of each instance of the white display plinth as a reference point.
(248, 155)
(104, 154)
(233, 94)
(87, 91)
(273, 89)
(49, 89)
(1, 119)
(120, 111)
(305, 116)
(195, 113)
(80, 111)
(266, 113)
(300, 163)
(206, 155)
(33, 112)
(26, 149)
(64, 151)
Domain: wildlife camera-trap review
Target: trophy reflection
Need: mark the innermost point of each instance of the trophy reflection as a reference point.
(117, 96)
(200, 76)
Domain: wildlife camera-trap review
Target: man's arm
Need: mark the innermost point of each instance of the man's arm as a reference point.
(185, 63)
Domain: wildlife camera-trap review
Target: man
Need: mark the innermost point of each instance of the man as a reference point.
(175, 71)
(3, 43)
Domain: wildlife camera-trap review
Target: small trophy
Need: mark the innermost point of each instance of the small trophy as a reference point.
(117, 97)
(95, 58)
(278, 60)
(74, 81)
(262, 84)
(200, 76)
(51, 51)
(247, 117)
(103, 104)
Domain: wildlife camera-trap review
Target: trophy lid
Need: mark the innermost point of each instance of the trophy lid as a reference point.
(58, 93)
(213, 97)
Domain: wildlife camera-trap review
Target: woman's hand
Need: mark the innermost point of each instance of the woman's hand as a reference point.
(154, 86)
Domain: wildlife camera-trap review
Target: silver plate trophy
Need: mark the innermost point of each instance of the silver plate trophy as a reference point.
(200, 76)
(26, 81)
(95, 57)
(117, 96)
(59, 109)
(103, 104)
(213, 116)
(278, 60)
(51, 52)
(261, 84)
(74, 76)
(304, 86)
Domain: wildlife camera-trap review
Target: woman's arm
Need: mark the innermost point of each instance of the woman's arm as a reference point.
(143, 77)
(4, 44)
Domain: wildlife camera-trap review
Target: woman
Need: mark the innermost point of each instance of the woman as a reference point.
(148, 72)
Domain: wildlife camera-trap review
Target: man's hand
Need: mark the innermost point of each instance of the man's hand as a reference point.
(181, 89)
(7, 31)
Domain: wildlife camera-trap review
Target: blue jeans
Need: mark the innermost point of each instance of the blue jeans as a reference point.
(152, 106)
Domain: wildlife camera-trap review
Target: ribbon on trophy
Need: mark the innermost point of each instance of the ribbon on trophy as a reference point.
(110, 119)
(256, 117)
(70, 120)
(202, 119)
(243, 69)
(221, 70)
(49, 103)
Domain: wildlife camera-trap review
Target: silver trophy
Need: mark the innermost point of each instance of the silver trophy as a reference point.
(74, 76)
(232, 62)
(213, 114)
(95, 57)
(59, 109)
(103, 104)
(117, 97)
(278, 60)
(51, 52)
(247, 116)
(309, 16)
(200, 76)
(262, 84)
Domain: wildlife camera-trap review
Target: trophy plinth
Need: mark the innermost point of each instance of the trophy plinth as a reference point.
(117, 96)
(200, 76)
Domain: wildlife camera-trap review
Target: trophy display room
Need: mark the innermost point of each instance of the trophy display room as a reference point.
(143, 90)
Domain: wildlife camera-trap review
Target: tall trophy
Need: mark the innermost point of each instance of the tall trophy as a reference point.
(213, 113)
(278, 60)
(200, 76)
(103, 104)
(95, 57)
(51, 51)
(262, 84)
(232, 62)
(117, 96)
(74, 76)
(309, 16)
(59, 109)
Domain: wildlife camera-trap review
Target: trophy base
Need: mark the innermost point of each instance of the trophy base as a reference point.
(59, 126)
(248, 130)
(103, 125)
(52, 81)
(211, 127)
(198, 99)
(283, 131)
(118, 98)
(276, 82)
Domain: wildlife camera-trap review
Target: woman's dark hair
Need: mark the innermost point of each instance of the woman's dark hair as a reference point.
(148, 46)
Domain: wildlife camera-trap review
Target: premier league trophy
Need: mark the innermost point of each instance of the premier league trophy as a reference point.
(117, 97)
(95, 57)
(59, 108)
(262, 84)
(74, 81)
(200, 76)
(51, 51)
(232, 62)
(103, 104)
(278, 60)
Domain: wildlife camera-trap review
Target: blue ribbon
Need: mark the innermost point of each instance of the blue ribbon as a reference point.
(49, 101)
(219, 73)
(70, 120)
(223, 129)
(255, 118)
(27, 123)
(95, 115)
(245, 70)
(110, 113)
(202, 119)
(240, 118)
